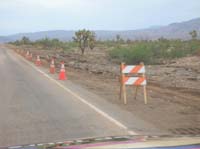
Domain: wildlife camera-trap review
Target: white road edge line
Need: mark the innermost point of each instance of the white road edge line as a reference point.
(119, 124)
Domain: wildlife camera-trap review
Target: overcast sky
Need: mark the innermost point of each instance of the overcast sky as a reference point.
(39, 15)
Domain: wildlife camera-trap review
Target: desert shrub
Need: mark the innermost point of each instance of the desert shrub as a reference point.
(47, 43)
(68, 46)
(133, 54)
(154, 51)
(106, 43)
(24, 41)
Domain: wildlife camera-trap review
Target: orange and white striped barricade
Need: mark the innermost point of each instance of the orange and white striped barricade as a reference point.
(127, 78)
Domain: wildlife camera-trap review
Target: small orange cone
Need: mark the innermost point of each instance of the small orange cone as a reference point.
(27, 54)
(24, 54)
(52, 67)
(30, 57)
(62, 75)
(38, 62)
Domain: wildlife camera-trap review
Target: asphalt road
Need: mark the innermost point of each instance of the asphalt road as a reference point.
(33, 109)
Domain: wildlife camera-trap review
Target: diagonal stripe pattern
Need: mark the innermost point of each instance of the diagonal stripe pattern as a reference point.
(135, 81)
(134, 69)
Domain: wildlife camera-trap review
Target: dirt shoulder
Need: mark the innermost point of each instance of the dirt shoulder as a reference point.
(173, 89)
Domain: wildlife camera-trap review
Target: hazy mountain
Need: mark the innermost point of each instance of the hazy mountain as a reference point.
(172, 31)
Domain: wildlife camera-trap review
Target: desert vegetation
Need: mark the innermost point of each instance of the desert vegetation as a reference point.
(84, 38)
(153, 52)
(149, 51)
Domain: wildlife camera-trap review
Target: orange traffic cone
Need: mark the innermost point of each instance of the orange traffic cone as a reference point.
(30, 57)
(52, 67)
(62, 75)
(24, 54)
(38, 62)
(21, 52)
(27, 54)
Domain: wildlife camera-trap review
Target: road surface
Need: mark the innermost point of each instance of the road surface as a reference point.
(33, 109)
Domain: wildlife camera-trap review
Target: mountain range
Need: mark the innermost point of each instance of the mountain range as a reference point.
(178, 30)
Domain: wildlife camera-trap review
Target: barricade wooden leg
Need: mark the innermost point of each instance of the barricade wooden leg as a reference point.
(120, 92)
(122, 85)
(124, 93)
(145, 94)
(136, 89)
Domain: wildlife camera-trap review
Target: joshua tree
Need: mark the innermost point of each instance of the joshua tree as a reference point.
(118, 37)
(25, 40)
(92, 40)
(82, 37)
(193, 34)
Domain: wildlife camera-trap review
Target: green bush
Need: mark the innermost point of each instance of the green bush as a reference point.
(133, 54)
(49, 44)
(152, 52)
